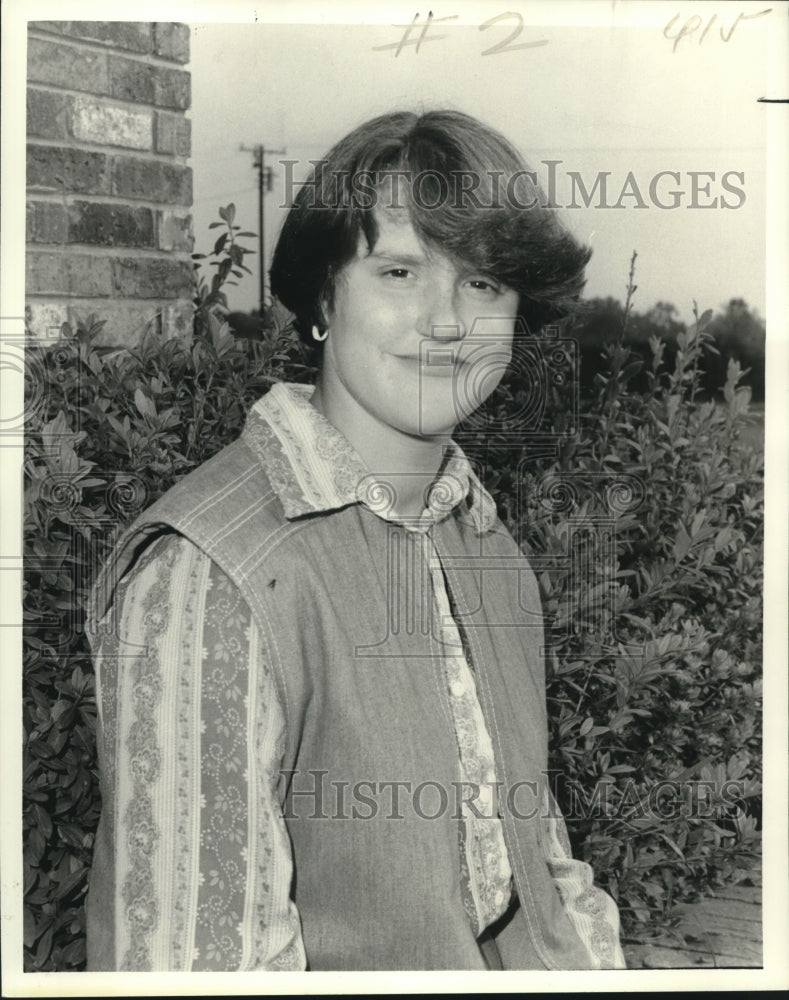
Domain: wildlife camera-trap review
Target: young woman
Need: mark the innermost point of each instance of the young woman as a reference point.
(319, 656)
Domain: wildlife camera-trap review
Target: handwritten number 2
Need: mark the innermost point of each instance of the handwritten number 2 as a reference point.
(506, 45)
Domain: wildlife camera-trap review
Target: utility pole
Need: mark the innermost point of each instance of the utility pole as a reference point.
(265, 184)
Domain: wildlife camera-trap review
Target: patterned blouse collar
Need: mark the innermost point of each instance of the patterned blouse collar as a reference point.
(314, 468)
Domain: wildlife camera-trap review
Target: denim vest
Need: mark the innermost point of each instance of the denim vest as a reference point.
(370, 770)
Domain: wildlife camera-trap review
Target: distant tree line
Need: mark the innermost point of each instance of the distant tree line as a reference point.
(739, 333)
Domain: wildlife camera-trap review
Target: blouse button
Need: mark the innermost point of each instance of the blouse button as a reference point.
(457, 688)
(499, 898)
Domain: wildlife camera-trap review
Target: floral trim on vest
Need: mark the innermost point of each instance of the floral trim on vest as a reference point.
(223, 842)
(138, 891)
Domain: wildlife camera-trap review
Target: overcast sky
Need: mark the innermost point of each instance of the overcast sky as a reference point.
(608, 96)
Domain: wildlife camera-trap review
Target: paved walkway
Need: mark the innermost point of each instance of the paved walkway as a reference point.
(723, 931)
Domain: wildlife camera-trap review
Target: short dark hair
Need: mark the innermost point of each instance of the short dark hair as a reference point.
(457, 168)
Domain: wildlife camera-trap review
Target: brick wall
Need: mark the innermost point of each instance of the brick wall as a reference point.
(109, 230)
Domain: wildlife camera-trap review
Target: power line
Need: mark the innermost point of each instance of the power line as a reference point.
(265, 184)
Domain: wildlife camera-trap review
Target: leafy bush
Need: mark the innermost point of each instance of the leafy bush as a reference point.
(644, 529)
(645, 532)
(738, 333)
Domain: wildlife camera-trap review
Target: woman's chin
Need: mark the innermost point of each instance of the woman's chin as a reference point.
(436, 421)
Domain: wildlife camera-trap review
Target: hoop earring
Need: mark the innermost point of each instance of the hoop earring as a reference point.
(317, 335)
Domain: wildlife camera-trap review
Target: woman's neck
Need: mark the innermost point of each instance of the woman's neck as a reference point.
(407, 463)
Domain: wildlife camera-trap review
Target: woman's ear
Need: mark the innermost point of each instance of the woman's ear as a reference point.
(325, 300)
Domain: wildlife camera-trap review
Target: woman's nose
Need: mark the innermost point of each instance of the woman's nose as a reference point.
(441, 315)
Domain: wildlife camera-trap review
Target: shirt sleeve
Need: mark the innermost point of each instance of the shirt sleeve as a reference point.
(192, 866)
(592, 912)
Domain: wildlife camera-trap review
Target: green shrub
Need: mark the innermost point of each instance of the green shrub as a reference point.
(644, 529)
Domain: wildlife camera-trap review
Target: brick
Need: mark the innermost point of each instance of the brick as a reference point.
(47, 222)
(126, 321)
(151, 180)
(173, 89)
(171, 41)
(110, 225)
(67, 274)
(151, 278)
(87, 275)
(64, 65)
(133, 36)
(173, 134)
(92, 121)
(144, 83)
(43, 320)
(175, 232)
(131, 80)
(178, 319)
(46, 114)
(43, 272)
(52, 168)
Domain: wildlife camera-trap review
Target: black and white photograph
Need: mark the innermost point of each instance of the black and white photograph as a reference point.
(393, 416)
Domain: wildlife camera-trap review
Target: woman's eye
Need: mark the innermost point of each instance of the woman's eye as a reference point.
(484, 285)
(400, 273)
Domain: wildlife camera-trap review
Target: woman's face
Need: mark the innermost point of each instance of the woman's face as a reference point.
(417, 341)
